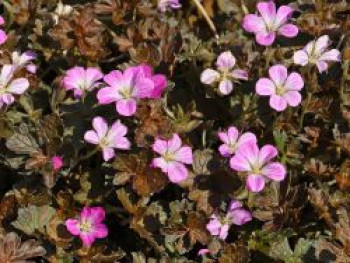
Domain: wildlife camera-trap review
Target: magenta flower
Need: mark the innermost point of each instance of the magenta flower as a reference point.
(282, 88)
(81, 80)
(233, 141)
(225, 63)
(219, 226)
(24, 60)
(160, 82)
(173, 158)
(3, 35)
(165, 5)
(89, 225)
(57, 163)
(315, 52)
(10, 87)
(125, 88)
(270, 23)
(107, 138)
(257, 164)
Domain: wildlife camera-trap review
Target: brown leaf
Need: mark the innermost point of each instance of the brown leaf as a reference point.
(235, 253)
(196, 224)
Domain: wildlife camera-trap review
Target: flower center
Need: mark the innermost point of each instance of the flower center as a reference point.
(256, 170)
(85, 226)
(104, 142)
(168, 156)
(126, 92)
(280, 90)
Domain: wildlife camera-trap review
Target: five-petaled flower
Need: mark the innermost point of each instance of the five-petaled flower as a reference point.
(9, 86)
(225, 63)
(219, 226)
(81, 80)
(108, 138)
(165, 5)
(24, 60)
(316, 52)
(89, 225)
(282, 88)
(125, 88)
(257, 164)
(270, 23)
(232, 141)
(3, 35)
(173, 157)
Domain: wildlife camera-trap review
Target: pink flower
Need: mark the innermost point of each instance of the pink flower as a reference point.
(270, 23)
(9, 86)
(89, 225)
(24, 60)
(233, 141)
(282, 88)
(160, 82)
(203, 252)
(107, 138)
(57, 163)
(3, 35)
(173, 158)
(81, 80)
(225, 63)
(165, 5)
(315, 52)
(236, 215)
(125, 88)
(257, 164)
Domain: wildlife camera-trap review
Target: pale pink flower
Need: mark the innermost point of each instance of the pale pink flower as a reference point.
(270, 22)
(57, 162)
(10, 87)
(225, 74)
(168, 5)
(125, 88)
(203, 252)
(24, 60)
(108, 138)
(257, 164)
(81, 80)
(316, 52)
(282, 88)
(233, 140)
(3, 35)
(219, 226)
(89, 225)
(173, 157)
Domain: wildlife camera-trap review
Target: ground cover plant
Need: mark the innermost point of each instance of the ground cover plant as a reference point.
(174, 131)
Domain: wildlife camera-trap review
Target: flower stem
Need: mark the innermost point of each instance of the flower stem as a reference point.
(207, 18)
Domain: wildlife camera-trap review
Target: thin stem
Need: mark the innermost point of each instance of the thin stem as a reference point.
(207, 18)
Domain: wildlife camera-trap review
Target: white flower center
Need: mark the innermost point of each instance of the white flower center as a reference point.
(126, 92)
(85, 226)
(280, 90)
(168, 156)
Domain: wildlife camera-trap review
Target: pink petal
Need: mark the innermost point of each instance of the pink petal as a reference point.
(92, 75)
(224, 137)
(100, 231)
(255, 183)
(278, 103)
(116, 136)
(96, 214)
(234, 204)
(108, 95)
(265, 39)
(233, 134)
(184, 155)
(108, 153)
(126, 107)
(160, 146)
(283, 14)
(117, 130)
(321, 44)
(100, 126)
(239, 74)
(267, 11)
(6, 73)
(160, 163)
(265, 87)
(293, 98)
(245, 138)
(3, 37)
(160, 84)
(278, 74)
(203, 252)
(267, 153)
(225, 87)
(301, 57)
(31, 68)
(18, 86)
(240, 163)
(240, 216)
(91, 137)
(226, 61)
(2, 21)
(145, 88)
(7, 99)
(224, 231)
(73, 226)
(57, 162)
(275, 171)
(253, 24)
(174, 143)
(294, 82)
(87, 238)
(331, 55)
(322, 66)
(225, 150)
(113, 78)
(250, 151)
(177, 172)
(121, 143)
(209, 76)
(214, 226)
(288, 30)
